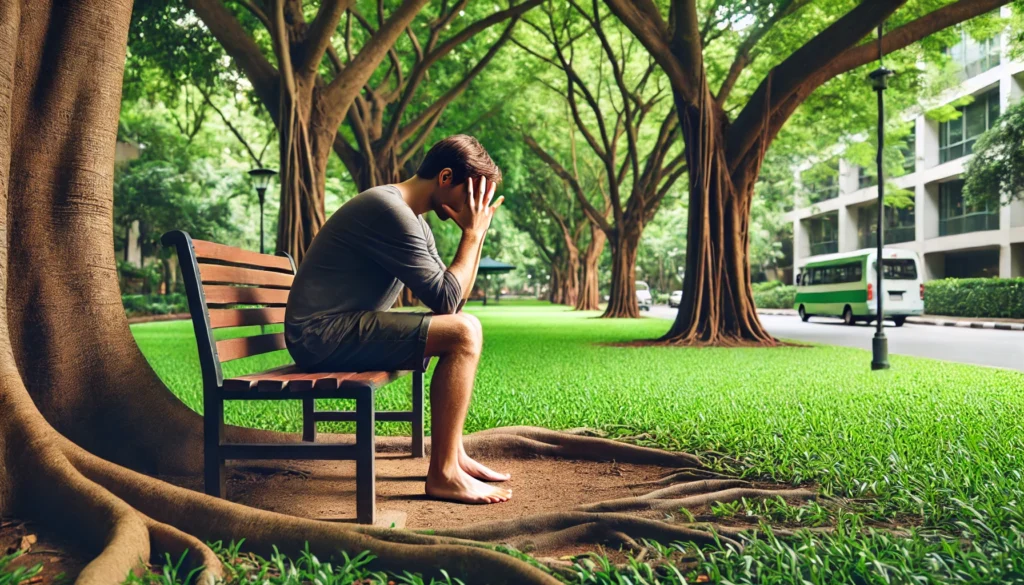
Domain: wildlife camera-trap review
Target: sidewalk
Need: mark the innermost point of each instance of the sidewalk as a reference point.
(939, 320)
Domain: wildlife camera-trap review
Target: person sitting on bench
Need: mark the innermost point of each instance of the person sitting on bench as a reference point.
(337, 318)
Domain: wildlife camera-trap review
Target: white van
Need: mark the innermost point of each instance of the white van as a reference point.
(843, 285)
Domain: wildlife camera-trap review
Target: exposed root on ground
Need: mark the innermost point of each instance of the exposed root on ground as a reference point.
(139, 518)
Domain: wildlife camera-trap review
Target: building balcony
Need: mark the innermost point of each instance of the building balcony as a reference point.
(829, 247)
(971, 222)
(893, 235)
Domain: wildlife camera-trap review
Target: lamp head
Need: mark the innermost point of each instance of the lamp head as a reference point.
(261, 178)
(880, 78)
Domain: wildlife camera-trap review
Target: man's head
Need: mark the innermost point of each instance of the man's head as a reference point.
(450, 164)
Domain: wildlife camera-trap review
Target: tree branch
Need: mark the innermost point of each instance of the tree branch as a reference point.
(441, 103)
(242, 49)
(744, 56)
(433, 55)
(644, 20)
(595, 216)
(319, 33)
(343, 88)
(805, 63)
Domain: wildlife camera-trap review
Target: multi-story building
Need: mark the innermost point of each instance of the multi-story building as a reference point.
(953, 239)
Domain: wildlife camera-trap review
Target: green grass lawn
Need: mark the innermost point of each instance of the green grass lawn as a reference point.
(933, 443)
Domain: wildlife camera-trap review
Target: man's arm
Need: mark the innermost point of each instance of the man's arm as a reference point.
(474, 220)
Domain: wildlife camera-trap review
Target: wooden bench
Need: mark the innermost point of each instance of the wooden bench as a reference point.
(231, 287)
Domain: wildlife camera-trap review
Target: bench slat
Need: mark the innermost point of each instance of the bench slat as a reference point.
(292, 380)
(240, 347)
(245, 295)
(220, 274)
(214, 251)
(240, 317)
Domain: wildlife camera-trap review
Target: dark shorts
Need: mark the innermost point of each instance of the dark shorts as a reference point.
(371, 340)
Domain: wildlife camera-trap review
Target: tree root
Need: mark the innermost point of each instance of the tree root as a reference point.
(525, 441)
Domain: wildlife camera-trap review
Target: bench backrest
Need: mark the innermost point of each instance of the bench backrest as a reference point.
(231, 287)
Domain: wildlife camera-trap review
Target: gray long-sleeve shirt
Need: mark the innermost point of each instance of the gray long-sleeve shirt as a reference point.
(358, 261)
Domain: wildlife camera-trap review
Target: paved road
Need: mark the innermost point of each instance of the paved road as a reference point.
(987, 347)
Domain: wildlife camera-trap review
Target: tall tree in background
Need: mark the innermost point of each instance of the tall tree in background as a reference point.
(392, 118)
(639, 162)
(724, 153)
(549, 215)
(309, 99)
(306, 107)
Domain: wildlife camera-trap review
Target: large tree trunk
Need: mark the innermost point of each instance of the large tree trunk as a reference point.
(622, 298)
(718, 302)
(589, 297)
(305, 144)
(570, 278)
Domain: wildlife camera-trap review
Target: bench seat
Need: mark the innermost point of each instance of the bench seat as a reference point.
(293, 380)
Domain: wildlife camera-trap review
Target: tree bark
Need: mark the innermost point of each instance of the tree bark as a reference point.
(718, 304)
(622, 297)
(569, 282)
(590, 290)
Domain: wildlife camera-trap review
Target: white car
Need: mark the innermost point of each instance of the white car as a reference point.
(675, 299)
(643, 295)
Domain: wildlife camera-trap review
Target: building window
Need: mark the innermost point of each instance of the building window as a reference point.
(823, 233)
(821, 182)
(866, 177)
(974, 57)
(957, 137)
(899, 226)
(974, 264)
(956, 217)
(909, 150)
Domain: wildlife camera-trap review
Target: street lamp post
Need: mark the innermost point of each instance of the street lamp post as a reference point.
(880, 345)
(261, 180)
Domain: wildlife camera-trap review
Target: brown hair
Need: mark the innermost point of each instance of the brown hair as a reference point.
(464, 155)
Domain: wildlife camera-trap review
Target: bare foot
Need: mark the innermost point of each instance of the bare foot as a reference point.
(479, 470)
(460, 487)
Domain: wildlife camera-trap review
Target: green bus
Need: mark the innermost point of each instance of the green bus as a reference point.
(843, 285)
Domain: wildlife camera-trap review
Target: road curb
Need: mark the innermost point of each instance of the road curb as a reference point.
(968, 324)
(927, 321)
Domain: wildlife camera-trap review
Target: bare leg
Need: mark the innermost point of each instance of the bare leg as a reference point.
(457, 340)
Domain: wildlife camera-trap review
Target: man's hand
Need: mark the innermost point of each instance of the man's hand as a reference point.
(476, 215)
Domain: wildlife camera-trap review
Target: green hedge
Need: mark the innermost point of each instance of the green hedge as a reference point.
(778, 296)
(140, 305)
(975, 297)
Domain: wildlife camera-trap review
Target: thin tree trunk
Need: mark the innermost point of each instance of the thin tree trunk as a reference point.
(304, 148)
(622, 298)
(718, 303)
(589, 297)
(554, 287)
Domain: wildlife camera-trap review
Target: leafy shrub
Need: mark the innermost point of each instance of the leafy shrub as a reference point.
(975, 297)
(140, 305)
(779, 296)
(767, 285)
(661, 298)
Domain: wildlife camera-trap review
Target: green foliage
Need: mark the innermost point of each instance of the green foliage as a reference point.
(996, 171)
(248, 568)
(912, 445)
(975, 297)
(16, 575)
(949, 111)
(140, 305)
(778, 297)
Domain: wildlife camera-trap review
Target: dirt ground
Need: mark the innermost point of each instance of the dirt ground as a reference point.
(325, 490)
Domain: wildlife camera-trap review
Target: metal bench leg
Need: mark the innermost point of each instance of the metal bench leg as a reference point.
(213, 430)
(417, 414)
(308, 420)
(366, 472)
